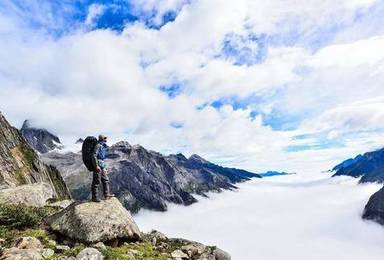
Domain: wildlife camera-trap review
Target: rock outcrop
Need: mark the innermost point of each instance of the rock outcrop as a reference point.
(40, 139)
(92, 222)
(185, 249)
(72, 234)
(20, 164)
(370, 167)
(374, 210)
(147, 179)
(36, 195)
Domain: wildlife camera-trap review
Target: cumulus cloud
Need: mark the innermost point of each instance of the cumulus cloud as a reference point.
(91, 80)
(309, 216)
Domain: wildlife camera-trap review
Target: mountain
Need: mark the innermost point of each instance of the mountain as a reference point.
(146, 179)
(274, 173)
(374, 208)
(20, 164)
(370, 167)
(40, 139)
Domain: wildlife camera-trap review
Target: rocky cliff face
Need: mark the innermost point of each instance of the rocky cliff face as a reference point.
(370, 167)
(374, 210)
(147, 179)
(19, 163)
(40, 139)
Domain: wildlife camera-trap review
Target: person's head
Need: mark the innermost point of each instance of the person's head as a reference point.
(102, 138)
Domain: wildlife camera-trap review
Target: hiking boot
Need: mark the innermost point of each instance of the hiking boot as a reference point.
(96, 200)
(109, 196)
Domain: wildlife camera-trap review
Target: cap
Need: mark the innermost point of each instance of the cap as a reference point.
(102, 137)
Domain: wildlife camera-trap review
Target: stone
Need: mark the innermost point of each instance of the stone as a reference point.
(91, 222)
(35, 195)
(206, 256)
(62, 204)
(27, 243)
(158, 235)
(62, 248)
(99, 246)
(178, 254)
(89, 254)
(47, 252)
(221, 255)
(17, 253)
(190, 250)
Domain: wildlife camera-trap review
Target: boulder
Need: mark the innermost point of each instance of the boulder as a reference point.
(89, 253)
(17, 253)
(374, 210)
(221, 255)
(27, 243)
(92, 222)
(62, 248)
(99, 246)
(47, 253)
(35, 195)
(179, 255)
(62, 204)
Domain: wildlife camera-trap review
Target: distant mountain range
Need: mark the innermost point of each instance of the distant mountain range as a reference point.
(369, 166)
(140, 178)
(274, 173)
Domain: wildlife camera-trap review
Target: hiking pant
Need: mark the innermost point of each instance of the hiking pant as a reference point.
(100, 177)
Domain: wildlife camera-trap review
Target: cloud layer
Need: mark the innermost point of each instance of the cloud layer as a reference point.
(237, 82)
(309, 216)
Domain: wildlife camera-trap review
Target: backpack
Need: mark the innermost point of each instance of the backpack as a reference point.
(87, 152)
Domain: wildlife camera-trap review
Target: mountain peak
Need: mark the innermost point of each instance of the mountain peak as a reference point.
(122, 144)
(26, 124)
(40, 139)
(197, 158)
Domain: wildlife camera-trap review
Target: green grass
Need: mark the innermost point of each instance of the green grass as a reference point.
(29, 155)
(74, 251)
(22, 216)
(146, 252)
(20, 176)
(10, 234)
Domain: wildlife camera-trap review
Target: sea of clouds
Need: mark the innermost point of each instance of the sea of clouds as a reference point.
(298, 217)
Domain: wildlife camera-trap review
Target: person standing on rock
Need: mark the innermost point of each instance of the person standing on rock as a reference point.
(100, 172)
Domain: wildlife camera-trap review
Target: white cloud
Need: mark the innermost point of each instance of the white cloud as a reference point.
(94, 11)
(308, 216)
(102, 81)
(364, 52)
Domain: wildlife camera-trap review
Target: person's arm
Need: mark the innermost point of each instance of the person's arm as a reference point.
(94, 158)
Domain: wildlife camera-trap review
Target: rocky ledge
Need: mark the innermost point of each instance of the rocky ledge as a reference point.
(87, 231)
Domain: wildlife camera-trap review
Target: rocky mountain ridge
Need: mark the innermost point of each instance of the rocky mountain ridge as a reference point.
(146, 179)
(21, 165)
(40, 139)
(369, 166)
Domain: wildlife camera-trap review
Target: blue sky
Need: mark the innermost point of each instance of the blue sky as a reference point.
(239, 80)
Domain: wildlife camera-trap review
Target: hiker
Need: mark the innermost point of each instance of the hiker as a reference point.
(94, 153)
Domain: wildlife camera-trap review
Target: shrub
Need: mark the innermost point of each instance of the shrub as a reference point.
(22, 216)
